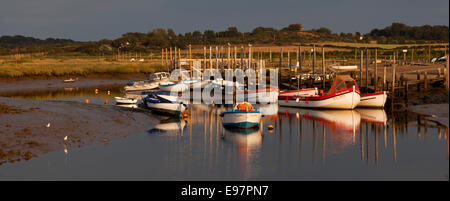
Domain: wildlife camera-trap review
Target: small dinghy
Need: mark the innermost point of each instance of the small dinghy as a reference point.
(343, 95)
(123, 100)
(164, 104)
(242, 116)
(373, 100)
(70, 80)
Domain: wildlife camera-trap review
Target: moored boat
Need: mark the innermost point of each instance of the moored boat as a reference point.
(123, 100)
(373, 100)
(163, 104)
(342, 95)
(300, 92)
(242, 116)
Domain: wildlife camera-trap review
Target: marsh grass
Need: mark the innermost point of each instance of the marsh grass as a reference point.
(72, 67)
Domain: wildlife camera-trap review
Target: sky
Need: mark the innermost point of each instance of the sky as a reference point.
(91, 20)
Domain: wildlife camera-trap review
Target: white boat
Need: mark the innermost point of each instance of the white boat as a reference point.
(221, 83)
(377, 100)
(161, 104)
(142, 86)
(300, 92)
(151, 83)
(353, 67)
(70, 80)
(268, 95)
(342, 95)
(123, 100)
(242, 116)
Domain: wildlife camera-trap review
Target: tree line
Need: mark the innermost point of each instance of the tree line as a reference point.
(397, 33)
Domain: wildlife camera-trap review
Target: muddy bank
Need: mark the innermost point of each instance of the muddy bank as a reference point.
(24, 133)
(52, 84)
(434, 112)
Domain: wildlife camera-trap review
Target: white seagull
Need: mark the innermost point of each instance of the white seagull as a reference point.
(48, 125)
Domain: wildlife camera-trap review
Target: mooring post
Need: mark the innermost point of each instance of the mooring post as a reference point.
(323, 68)
(299, 67)
(314, 65)
(228, 56)
(393, 77)
(446, 72)
(360, 68)
(204, 58)
(216, 63)
(367, 68)
(290, 70)
(425, 79)
(242, 59)
(418, 80)
(429, 53)
(384, 78)
(162, 56)
(376, 70)
(190, 59)
(279, 67)
(210, 58)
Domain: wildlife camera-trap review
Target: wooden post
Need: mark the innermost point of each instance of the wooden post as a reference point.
(171, 58)
(166, 60)
(367, 68)
(162, 56)
(235, 58)
(314, 61)
(360, 69)
(376, 70)
(190, 59)
(425, 79)
(204, 58)
(270, 56)
(299, 67)
(429, 53)
(323, 68)
(216, 63)
(446, 75)
(242, 58)
(175, 58)
(290, 70)
(418, 81)
(279, 67)
(210, 58)
(384, 78)
(228, 56)
(393, 77)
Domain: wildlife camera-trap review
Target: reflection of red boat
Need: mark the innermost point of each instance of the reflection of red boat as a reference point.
(342, 95)
(373, 99)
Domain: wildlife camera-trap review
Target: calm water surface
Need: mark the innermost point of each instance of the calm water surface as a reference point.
(363, 144)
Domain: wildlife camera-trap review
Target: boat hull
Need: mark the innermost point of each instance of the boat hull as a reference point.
(241, 119)
(376, 100)
(345, 99)
(120, 100)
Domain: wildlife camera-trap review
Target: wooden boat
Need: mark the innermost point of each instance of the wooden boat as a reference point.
(268, 95)
(242, 116)
(123, 100)
(164, 104)
(300, 92)
(342, 95)
(373, 100)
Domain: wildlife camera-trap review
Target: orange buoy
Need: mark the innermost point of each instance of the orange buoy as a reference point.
(106, 102)
(270, 127)
(87, 101)
(109, 93)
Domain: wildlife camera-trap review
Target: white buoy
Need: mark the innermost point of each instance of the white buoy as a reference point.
(48, 125)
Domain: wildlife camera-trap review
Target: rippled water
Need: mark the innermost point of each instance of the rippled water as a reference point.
(362, 144)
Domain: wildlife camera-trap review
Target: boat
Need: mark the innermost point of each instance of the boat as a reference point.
(242, 115)
(180, 86)
(352, 67)
(123, 100)
(377, 100)
(70, 80)
(267, 95)
(164, 104)
(342, 95)
(151, 83)
(300, 92)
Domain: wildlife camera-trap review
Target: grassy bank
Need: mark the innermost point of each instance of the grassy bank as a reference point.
(71, 67)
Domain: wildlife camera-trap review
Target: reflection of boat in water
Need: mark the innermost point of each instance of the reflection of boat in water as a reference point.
(168, 125)
(124, 100)
(374, 116)
(243, 137)
(344, 120)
